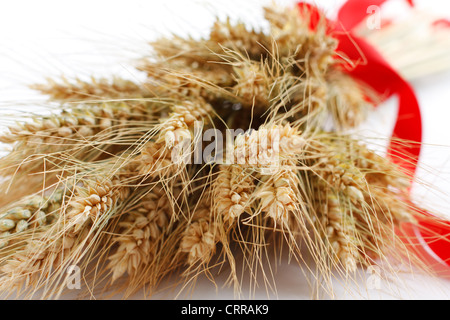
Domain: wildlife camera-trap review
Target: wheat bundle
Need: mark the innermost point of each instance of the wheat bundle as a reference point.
(122, 181)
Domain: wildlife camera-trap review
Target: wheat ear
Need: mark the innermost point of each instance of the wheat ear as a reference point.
(67, 240)
(157, 157)
(140, 233)
(97, 89)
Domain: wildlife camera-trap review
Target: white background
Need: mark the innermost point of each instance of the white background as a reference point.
(80, 38)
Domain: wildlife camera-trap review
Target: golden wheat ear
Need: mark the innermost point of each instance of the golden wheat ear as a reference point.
(83, 132)
(360, 200)
(73, 217)
(96, 90)
(140, 233)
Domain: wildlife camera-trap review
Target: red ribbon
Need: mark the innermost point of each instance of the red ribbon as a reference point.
(369, 66)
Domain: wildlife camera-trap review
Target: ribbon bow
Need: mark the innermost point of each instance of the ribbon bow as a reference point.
(370, 67)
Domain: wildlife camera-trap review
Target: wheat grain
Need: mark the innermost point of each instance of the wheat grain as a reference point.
(268, 146)
(232, 190)
(92, 200)
(278, 194)
(199, 242)
(200, 237)
(359, 197)
(140, 233)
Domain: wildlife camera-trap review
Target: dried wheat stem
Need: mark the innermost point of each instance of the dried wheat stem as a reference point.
(421, 48)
